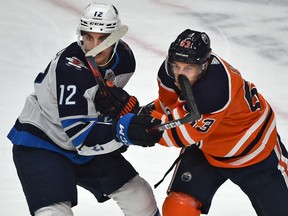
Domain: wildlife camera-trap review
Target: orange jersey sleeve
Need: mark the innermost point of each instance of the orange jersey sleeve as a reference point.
(237, 126)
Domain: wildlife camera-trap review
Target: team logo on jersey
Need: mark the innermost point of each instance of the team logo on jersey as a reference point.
(186, 177)
(75, 62)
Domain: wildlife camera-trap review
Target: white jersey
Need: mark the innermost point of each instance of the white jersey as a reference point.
(60, 115)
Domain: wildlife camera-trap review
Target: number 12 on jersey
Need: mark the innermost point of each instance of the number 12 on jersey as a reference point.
(66, 94)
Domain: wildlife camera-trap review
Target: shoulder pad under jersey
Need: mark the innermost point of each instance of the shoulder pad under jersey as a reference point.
(212, 91)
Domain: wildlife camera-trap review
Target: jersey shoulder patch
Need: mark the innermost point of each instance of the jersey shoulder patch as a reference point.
(75, 62)
(212, 92)
(124, 60)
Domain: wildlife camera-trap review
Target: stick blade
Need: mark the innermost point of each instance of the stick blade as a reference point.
(109, 41)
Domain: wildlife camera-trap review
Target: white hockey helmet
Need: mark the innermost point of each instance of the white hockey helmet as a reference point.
(99, 17)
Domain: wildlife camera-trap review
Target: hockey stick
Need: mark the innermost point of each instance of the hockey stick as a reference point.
(109, 41)
(193, 115)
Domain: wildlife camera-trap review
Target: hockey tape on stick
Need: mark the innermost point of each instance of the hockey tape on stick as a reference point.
(109, 41)
(193, 115)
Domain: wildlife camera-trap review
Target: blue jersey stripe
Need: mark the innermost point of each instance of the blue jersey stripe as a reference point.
(27, 139)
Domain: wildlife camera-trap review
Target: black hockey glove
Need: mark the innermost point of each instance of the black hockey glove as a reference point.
(116, 103)
(136, 130)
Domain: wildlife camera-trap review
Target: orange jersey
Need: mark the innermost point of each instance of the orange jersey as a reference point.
(237, 126)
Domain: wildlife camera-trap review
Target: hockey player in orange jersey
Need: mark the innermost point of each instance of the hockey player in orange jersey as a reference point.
(235, 137)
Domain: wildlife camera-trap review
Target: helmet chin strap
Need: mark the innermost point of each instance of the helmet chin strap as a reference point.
(204, 67)
(113, 53)
(79, 41)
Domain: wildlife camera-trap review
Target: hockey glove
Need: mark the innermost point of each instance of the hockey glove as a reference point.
(136, 130)
(116, 103)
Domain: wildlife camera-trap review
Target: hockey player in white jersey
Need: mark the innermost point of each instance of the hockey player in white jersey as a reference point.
(61, 140)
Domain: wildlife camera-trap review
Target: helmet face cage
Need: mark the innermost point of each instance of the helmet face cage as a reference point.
(100, 18)
(191, 47)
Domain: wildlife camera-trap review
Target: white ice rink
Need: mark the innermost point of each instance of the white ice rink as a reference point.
(253, 37)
